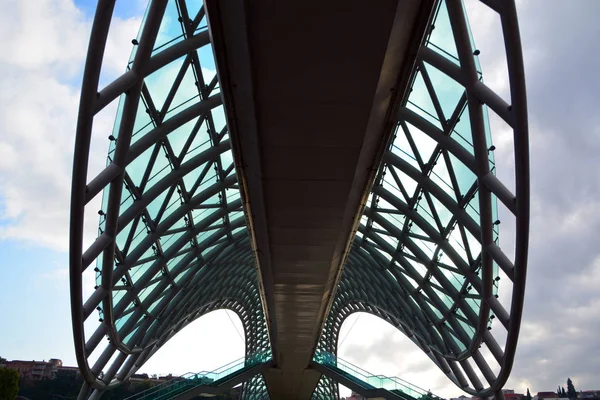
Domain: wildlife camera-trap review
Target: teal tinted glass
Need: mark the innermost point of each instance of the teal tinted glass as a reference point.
(422, 221)
(180, 208)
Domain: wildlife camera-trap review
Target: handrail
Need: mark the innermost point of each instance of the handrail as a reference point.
(192, 379)
(390, 383)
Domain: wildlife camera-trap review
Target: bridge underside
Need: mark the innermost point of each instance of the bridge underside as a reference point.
(296, 163)
(310, 113)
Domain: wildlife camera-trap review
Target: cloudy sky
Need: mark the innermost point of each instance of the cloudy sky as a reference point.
(43, 46)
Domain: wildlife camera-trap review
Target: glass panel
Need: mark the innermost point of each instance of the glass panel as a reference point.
(441, 38)
(447, 90)
(420, 101)
(424, 143)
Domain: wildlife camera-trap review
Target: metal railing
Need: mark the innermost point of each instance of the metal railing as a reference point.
(392, 384)
(190, 380)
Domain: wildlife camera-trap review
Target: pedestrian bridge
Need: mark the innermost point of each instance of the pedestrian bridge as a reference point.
(296, 163)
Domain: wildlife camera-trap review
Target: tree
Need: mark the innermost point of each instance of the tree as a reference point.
(528, 395)
(9, 384)
(571, 392)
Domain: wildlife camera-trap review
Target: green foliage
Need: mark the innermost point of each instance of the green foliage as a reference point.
(68, 384)
(571, 392)
(561, 392)
(65, 385)
(9, 384)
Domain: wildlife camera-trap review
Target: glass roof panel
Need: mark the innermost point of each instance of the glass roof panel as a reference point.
(448, 251)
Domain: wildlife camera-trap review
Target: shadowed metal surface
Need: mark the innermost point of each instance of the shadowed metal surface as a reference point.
(310, 90)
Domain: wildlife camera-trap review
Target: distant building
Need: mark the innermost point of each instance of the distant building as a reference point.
(41, 370)
(70, 372)
(463, 397)
(509, 394)
(56, 362)
(33, 370)
(547, 395)
(590, 394)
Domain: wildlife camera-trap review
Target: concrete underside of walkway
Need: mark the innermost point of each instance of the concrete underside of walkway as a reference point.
(310, 90)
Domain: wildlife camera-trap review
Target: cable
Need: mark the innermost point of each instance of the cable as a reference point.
(236, 329)
(349, 330)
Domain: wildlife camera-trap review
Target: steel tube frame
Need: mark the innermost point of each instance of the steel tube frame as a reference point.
(383, 254)
(146, 322)
(370, 282)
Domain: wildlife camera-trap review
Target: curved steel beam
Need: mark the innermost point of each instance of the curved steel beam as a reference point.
(426, 256)
(173, 243)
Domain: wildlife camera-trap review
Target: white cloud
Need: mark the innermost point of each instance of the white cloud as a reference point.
(210, 342)
(44, 47)
(379, 348)
(41, 34)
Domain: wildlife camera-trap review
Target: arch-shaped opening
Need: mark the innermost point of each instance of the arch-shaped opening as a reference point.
(378, 347)
(211, 341)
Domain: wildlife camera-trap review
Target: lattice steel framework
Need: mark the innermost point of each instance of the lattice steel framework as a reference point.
(255, 389)
(425, 257)
(173, 243)
(326, 389)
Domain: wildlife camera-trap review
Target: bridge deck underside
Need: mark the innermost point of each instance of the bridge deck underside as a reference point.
(315, 84)
(323, 83)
